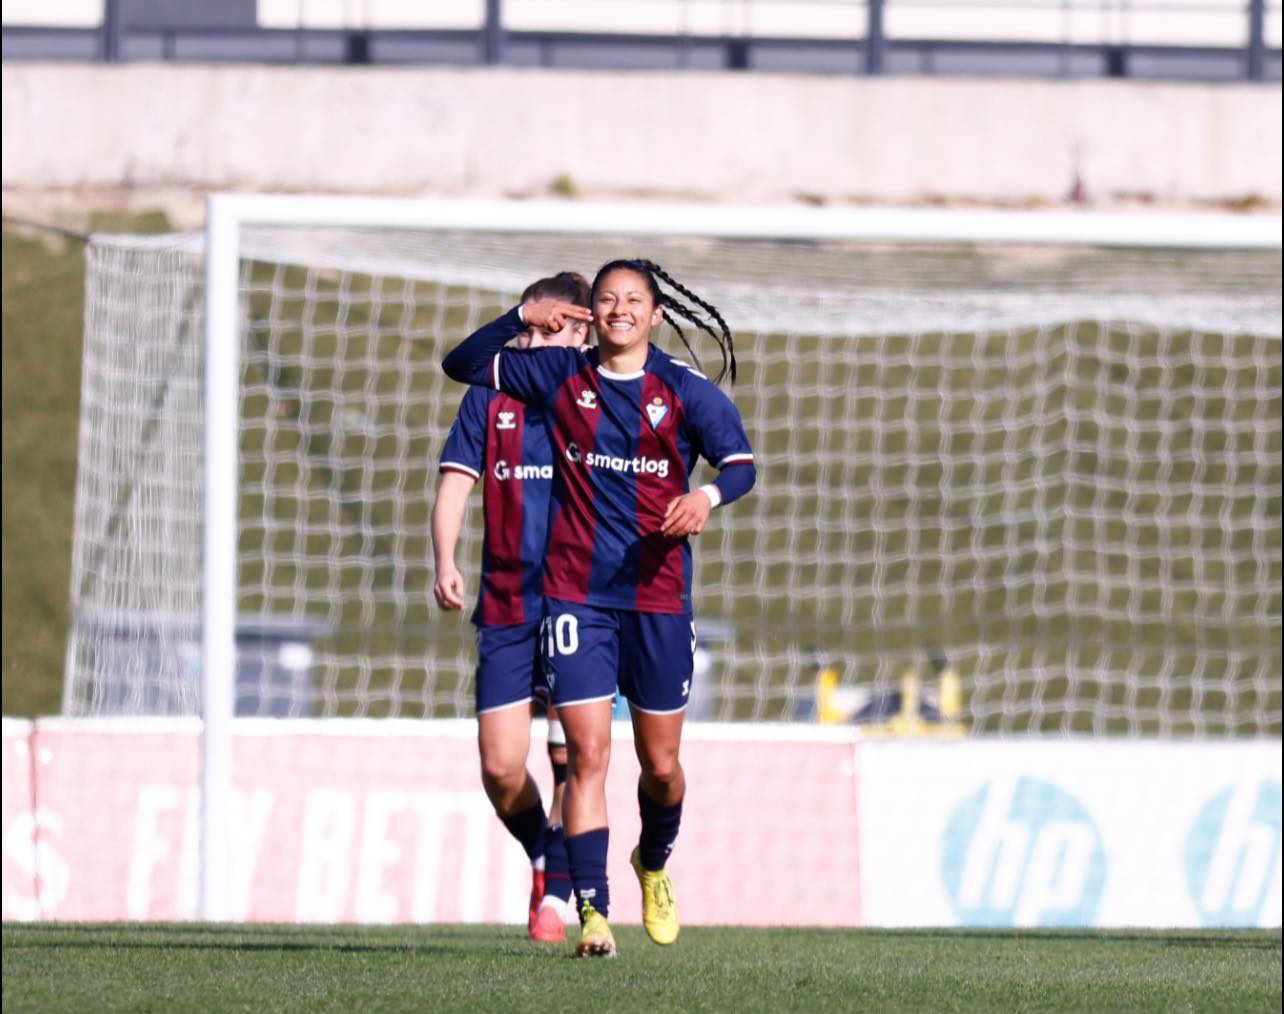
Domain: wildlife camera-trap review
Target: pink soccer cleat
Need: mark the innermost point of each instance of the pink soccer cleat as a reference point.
(548, 926)
(537, 894)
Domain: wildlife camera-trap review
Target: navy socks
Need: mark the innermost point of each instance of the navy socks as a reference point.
(557, 864)
(587, 853)
(527, 826)
(659, 830)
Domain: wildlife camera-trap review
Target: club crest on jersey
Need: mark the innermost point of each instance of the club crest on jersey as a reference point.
(656, 411)
(505, 421)
(587, 399)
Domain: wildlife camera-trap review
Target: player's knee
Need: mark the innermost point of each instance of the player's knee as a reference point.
(589, 759)
(663, 769)
(502, 771)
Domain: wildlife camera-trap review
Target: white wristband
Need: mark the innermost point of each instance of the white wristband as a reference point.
(521, 313)
(713, 493)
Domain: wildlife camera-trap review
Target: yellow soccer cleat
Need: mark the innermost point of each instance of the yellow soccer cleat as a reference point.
(659, 910)
(596, 940)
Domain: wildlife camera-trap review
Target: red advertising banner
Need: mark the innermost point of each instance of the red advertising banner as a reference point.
(386, 822)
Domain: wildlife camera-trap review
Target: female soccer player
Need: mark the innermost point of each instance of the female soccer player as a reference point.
(503, 443)
(628, 424)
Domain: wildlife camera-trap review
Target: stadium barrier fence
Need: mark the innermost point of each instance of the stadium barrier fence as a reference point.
(365, 821)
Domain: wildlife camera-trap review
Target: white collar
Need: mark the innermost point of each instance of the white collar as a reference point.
(610, 375)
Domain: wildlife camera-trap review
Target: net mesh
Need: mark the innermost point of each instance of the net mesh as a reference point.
(1052, 474)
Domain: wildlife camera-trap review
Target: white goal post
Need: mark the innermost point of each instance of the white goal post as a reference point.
(915, 398)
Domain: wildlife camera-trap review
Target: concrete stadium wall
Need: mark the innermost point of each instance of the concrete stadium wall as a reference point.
(742, 137)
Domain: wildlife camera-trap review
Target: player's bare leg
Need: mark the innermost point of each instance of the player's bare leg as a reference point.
(504, 743)
(657, 738)
(588, 750)
(588, 741)
(555, 908)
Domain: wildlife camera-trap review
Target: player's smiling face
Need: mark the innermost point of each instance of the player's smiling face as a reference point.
(624, 311)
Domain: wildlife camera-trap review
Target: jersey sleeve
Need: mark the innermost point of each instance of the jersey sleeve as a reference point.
(472, 361)
(529, 375)
(534, 376)
(718, 435)
(465, 447)
(718, 432)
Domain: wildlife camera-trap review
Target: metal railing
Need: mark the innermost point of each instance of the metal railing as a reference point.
(1167, 39)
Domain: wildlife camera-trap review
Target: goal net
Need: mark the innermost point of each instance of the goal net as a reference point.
(1051, 473)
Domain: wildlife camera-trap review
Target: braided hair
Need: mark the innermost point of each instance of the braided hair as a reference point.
(671, 305)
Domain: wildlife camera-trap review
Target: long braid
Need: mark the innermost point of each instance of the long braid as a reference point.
(668, 302)
(668, 319)
(725, 341)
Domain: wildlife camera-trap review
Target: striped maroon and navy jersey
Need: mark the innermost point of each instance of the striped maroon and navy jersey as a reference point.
(625, 446)
(504, 444)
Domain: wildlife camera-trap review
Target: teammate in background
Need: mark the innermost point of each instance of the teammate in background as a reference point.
(628, 424)
(505, 444)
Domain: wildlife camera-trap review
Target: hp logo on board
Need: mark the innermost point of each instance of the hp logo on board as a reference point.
(1023, 852)
(1233, 856)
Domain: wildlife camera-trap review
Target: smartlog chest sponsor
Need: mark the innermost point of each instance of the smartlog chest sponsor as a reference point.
(504, 472)
(625, 466)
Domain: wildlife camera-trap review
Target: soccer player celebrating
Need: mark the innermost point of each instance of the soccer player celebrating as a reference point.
(628, 425)
(502, 442)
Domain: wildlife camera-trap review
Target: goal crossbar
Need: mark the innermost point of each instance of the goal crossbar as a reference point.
(636, 218)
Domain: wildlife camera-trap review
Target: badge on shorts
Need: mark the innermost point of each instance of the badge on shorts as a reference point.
(656, 411)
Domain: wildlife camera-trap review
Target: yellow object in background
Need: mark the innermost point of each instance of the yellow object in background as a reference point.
(909, 720)
(951, 696)
(837, 704)
(829, 711)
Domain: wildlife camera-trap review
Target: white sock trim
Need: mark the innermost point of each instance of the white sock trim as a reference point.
(563, 908)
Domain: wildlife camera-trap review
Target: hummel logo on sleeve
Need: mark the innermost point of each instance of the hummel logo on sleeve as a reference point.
(505, 421)
(587, 399)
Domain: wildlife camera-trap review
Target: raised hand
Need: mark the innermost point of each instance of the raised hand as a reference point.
(551, 315)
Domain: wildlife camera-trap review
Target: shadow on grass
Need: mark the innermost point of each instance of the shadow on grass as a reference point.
(264, 937)
(1250, 939)
(440, 939)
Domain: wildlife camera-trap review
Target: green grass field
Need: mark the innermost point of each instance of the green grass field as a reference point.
(233, 968)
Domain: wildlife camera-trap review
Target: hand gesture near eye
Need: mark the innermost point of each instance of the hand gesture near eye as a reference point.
(551, 315)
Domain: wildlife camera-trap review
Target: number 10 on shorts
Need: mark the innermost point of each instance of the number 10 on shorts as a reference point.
(593, 652)
(561, 634)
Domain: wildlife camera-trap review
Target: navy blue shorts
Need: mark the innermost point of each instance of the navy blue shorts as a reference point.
(589, 652)
(510, 667)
